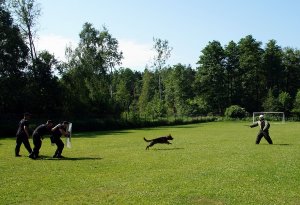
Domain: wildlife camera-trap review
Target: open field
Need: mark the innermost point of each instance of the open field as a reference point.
(208, 163)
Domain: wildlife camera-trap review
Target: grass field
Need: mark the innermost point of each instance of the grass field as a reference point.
(208, 163)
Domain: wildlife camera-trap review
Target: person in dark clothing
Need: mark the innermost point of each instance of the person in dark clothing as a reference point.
(23, 135)
(57, 132)
(263, 131)
(37, 137)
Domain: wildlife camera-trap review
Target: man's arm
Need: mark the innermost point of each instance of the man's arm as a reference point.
(254, 124)
(54, 128)
(63, 132)
(26, 130)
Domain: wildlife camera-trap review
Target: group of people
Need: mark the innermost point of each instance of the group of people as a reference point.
(61, 129)
(55, 133)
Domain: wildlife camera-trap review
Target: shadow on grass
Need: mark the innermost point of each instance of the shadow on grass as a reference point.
(275, 144)
(172, 127)
(282, 144)
(164, 149)
(69, 158)
(99, 133)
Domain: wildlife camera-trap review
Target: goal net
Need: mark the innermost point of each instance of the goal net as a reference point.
(270, 116)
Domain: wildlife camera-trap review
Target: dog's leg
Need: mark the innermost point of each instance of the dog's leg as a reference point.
(150, 145)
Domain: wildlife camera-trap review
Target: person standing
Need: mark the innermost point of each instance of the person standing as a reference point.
(23, 135)
(37, 137)
(263, 131)
(57, 132)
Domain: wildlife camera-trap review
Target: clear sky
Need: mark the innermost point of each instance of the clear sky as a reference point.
(188, 25)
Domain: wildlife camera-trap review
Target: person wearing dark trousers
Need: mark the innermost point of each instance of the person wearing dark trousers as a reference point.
(57, 132)
(23, 135)
(263, 131)
(37, 137)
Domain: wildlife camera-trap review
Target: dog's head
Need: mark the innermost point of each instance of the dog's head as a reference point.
(169, 137)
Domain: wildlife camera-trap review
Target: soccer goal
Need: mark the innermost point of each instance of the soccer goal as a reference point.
(271, 116)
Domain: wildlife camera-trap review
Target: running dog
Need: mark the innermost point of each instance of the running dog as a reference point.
(160, 140)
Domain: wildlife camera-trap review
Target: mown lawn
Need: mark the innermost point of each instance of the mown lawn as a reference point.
(208, 163)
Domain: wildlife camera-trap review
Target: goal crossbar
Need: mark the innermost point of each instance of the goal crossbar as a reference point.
(263, 113)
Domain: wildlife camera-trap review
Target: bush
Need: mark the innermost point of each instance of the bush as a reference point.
(235, 111)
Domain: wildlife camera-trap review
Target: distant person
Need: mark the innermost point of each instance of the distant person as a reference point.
(263, 131)
(57, 132)
(23, 135)
(37, 137)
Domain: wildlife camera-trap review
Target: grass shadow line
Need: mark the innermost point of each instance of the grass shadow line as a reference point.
(282, 144)
(70, 158)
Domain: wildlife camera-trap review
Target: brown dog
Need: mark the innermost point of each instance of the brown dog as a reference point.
(160, 140)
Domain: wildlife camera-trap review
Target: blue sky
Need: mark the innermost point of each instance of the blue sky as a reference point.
(188, 25)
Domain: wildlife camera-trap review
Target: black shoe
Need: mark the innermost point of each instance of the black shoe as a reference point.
(32, 156)
(60, 156)
(17, 155)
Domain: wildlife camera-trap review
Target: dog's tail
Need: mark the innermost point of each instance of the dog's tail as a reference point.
(147, 140)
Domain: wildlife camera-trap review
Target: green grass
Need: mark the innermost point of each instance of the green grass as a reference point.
(208, 163)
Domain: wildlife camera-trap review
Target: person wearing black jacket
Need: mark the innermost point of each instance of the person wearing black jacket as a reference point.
(22, 135)
(37, 137)
(57, 132)
(263, 131)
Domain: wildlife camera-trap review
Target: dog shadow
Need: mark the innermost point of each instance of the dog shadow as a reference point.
(166, 149)
(69, 158)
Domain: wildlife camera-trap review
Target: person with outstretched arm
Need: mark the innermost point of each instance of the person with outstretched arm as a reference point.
(264, 126)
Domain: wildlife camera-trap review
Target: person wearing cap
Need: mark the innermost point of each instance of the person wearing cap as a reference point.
(263, 131)
(57, 132)
(37, 137)
(22, 135)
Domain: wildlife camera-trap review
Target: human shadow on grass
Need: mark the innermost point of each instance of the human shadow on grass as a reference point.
(165, 149)
(69, 158)
(282, 144)
(279, 144)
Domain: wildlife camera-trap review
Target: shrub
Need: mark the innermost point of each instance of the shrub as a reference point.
(235, 111)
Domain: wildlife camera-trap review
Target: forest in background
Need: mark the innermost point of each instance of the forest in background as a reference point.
(92, 85)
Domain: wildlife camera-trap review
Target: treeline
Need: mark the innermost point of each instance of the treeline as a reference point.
(87, 85)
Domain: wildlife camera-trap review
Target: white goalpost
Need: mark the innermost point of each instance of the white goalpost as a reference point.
(266, 114)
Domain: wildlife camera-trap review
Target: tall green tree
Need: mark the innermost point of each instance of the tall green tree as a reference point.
(27, 13)
(147, 92)
(272, 66)
(178, 85)
(285, 102)
(291, 64)
(296, 104)
(253, 78)
(233, 73)
(89, 69)
(210, 77)
(43, 88)
(163, 53)
(270, 103)
(125, 88)
(13, 62)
